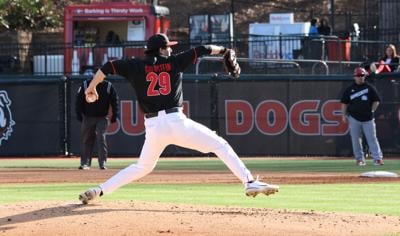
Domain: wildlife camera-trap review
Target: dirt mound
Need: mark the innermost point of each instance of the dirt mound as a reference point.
(140, 218)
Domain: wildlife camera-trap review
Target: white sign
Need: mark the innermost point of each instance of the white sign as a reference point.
(136, 30)
(105, 11)
(264, 40)
(281, 18)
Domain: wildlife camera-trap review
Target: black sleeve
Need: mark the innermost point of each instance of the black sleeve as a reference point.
(394, 63)
(186, 58)
(114, 102)
(117, 67)
(345, 97)
(375, 97)
(79, 102)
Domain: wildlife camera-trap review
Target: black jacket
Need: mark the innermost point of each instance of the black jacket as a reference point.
(107, 96)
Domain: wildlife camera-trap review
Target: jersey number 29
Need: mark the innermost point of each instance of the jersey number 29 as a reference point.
(163, 81)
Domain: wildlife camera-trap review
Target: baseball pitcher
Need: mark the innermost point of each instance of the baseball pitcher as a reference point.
(157, 80)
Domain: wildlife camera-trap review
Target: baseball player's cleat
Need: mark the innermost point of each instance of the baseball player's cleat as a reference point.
(360, 163)
(90, 195)
(84, 167)
(378, 162)
(255, 187)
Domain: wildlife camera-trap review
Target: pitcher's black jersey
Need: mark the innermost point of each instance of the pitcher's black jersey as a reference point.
(156, 80)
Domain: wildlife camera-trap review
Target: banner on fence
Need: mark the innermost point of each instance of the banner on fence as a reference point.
(31, 120)
(257, 117)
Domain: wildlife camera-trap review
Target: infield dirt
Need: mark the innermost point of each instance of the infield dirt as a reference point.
(145, 218)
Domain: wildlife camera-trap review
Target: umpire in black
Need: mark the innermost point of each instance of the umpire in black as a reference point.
(94, 121)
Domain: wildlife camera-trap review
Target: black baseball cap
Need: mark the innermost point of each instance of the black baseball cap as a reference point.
(158, 41)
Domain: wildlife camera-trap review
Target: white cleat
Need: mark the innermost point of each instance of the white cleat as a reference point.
(90, 195)
(256, 187)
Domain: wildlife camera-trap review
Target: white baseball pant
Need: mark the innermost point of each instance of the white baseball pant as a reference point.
(176, 128)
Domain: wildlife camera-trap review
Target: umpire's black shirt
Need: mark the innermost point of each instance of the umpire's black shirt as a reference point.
(107, 96)
(359, 99)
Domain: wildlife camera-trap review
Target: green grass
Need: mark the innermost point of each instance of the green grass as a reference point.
(273, 165)
(374, 198)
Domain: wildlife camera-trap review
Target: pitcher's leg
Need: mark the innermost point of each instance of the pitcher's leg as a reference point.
(231, 159)
(193, 135)
(147, 161)
(356, 138)
(369, 129)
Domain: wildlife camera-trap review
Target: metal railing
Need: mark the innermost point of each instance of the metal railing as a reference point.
(259, 54)
(300, 64)
(255, 63)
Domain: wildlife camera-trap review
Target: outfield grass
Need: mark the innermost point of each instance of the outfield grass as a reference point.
(262, 164)
(373, 198)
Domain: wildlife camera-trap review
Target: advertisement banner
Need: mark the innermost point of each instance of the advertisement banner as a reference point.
(387, 115)
(31, 120)
(297, 117)
(274, 117)
(246, 120)
(315, 120)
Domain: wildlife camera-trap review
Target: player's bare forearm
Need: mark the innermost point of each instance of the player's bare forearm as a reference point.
(97, 79)
(344, 109)
(91, 90)
(216, 50)
(344, 112)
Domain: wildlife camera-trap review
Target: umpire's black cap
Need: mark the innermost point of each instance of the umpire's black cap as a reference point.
(158, 41)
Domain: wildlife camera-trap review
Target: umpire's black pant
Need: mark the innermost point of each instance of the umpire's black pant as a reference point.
(92, 129)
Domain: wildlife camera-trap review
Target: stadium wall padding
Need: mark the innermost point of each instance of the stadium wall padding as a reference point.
(33, 117)
(258, 116)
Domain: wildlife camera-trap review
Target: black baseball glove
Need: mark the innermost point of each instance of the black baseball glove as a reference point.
(230, 64)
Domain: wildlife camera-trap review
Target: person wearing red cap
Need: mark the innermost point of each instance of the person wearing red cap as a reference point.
(157, 81)
(359, 103)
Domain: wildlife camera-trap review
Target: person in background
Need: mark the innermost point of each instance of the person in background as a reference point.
(324, 28)
(313, 32)
(94, 122)
(112, 38)
(359, 102)
(388, 63)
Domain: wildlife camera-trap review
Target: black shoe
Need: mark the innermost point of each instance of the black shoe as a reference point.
(84, 167)
(103, 168)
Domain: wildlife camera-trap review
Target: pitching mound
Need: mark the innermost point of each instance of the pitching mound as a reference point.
(139, 218)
